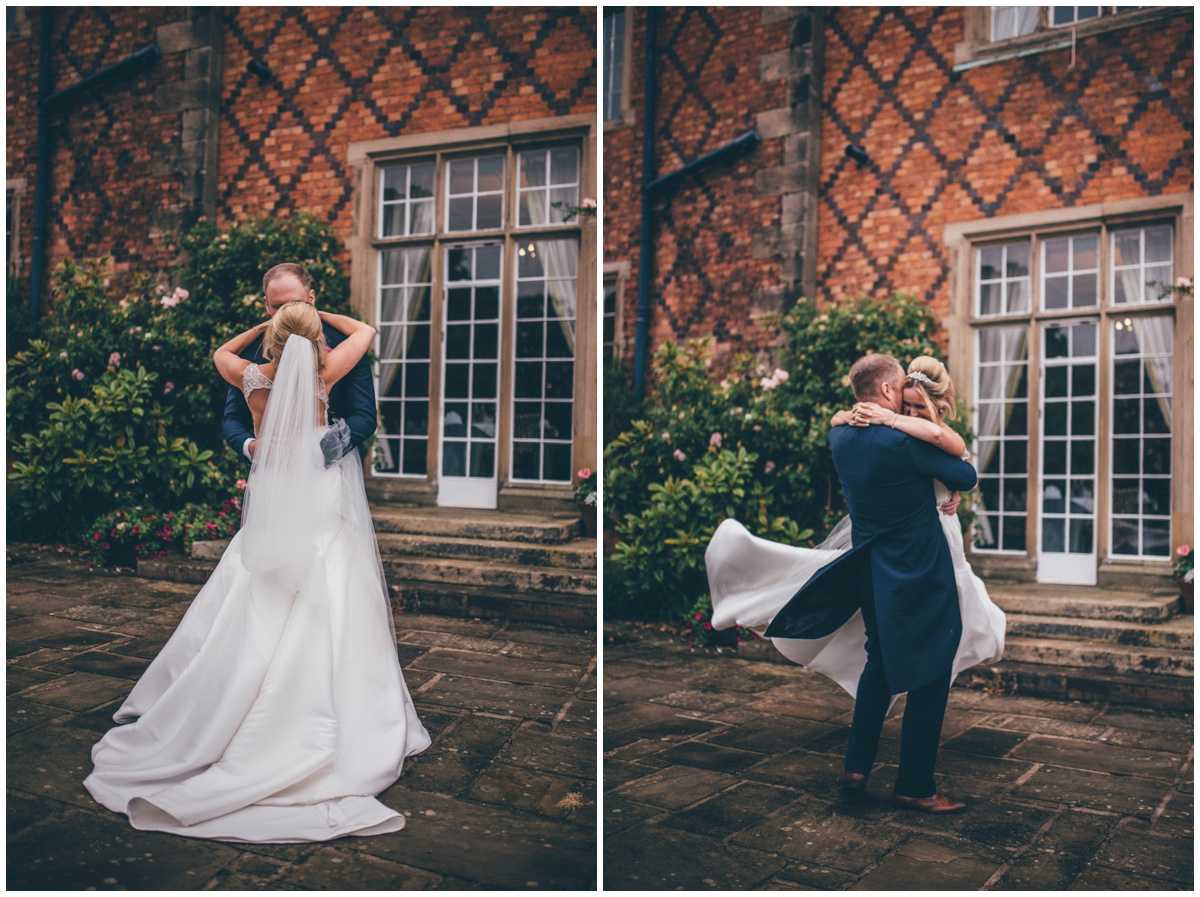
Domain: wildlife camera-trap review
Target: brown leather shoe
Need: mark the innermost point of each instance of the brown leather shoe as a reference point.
(939, 803)
(852, 781)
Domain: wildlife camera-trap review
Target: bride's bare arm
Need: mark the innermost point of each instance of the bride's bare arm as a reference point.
(226, 358)
(918, 428)
(340, 361)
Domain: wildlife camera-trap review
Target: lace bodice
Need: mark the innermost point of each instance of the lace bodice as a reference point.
(253, 378)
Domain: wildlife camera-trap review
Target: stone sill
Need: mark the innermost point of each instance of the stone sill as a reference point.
(972, 54)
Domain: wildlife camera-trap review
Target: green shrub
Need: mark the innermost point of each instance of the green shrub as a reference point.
(166, 331)
(770, 424)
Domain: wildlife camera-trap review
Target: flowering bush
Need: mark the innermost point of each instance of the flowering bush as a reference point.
(766, 426)
(703, 633)
(161, 445)
(127, 535)
(585, 491)
(1183, 564)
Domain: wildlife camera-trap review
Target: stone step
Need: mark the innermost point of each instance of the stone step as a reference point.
(1099, 655)
(490, 574)
(448, 599)
(504, 526)
(1174, 633)
(578, 555)
(1082, 684)
(1083, 602)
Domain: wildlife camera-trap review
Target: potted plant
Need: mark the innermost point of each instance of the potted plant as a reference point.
(585, 500)
(1184, 575)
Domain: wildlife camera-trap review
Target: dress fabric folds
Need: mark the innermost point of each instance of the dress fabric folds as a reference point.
(277, 710)
(752, 579)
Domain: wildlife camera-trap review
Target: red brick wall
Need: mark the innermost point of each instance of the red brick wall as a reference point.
(342, 74)
(1020, 136)
(710, 92)
(104, 192)
(350, 74)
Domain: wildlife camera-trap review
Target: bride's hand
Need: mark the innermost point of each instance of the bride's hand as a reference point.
(866, 413)
(950, 506)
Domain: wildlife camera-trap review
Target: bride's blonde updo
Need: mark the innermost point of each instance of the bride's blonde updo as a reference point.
(940, 397)
(300, 318)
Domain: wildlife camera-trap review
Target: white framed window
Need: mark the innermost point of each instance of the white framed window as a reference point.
(406, 200)
(1140, 466)
(1071, 272)
(403, 346)
(460, 238)
(544, 360)
(475, 194)
(1002, 441)
(1142, 264)
(548, 185)
(615, 100)
(1013, 21)
(1069, 15)
(1073, 335)
(1002, 281)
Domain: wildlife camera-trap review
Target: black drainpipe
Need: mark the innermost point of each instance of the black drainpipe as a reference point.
(652, 188)
(48, 104)
(646, 254)
(41, 189)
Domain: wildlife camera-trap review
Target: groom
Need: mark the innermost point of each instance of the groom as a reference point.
(900, 573)
(352, 398)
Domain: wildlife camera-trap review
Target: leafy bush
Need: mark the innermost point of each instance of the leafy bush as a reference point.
(769, 424)
(165, 331)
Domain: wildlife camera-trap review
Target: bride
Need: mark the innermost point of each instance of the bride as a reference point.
(277, 710)
(751, 579)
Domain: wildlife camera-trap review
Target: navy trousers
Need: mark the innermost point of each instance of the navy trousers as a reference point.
(920, 731)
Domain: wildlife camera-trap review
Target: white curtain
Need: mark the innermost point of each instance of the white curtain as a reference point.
(560, 260)
(418, 271)
(1011, 345)
(1013, 21)
(1155, 337)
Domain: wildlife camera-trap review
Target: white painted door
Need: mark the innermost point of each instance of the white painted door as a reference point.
(1067, 478)
(470, 377)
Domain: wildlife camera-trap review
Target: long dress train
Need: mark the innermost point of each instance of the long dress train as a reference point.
(751, 579)
(277, 710)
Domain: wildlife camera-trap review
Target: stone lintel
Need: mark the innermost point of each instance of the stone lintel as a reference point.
(179, 36)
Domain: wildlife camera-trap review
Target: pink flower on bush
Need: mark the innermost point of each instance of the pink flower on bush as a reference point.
(666, 437)
(168, 387)
(781, 375)
(241, 484)
(770, 465)
(715, 440)
(1183, 550)
(769, 383)
(62, 354)
(181, 293)
(679, 455)
(585, 473)
(169, 301)
(1182, 282)
(115, 359)
(77, 374)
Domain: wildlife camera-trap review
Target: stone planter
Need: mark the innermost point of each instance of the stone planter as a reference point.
(587, 516)
(1186, 590)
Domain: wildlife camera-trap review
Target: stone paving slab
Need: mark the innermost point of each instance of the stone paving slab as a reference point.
(504, 798)
(735, 788)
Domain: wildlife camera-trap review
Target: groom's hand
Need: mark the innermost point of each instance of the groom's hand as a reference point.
(950, 506)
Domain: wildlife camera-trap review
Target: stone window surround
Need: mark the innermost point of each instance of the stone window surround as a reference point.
(618, 273)
(22, 24)
(15, 189)
(961, 239)
(365, 158)
(627, 117)
(977, 47)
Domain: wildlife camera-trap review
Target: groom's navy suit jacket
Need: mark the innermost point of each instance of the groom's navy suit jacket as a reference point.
(352, 399)
(899, 556)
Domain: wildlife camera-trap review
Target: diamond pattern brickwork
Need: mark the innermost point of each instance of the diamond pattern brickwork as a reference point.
(1025, 135)
(346, 74)
(706, 274)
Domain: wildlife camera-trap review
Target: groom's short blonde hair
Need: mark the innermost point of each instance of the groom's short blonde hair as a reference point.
(870, 372)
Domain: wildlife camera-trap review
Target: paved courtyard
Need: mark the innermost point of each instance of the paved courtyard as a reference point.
(505, 798)
(719, 774)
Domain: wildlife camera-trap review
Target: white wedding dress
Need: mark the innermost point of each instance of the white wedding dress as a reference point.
(277, 710)
(751, 579)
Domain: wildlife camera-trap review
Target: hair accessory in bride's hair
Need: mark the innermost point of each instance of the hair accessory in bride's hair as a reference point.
(917, 375)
